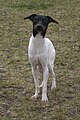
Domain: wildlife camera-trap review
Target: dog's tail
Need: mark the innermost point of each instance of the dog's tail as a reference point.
(41, 85)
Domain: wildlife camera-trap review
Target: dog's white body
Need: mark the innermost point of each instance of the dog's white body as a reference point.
(42, 55)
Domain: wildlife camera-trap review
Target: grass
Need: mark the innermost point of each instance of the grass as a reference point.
(16, 81)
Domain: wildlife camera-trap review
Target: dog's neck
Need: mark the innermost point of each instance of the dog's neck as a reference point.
(39, 36)
(38, 40)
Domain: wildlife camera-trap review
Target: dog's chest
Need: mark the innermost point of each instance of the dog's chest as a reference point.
(36, 47)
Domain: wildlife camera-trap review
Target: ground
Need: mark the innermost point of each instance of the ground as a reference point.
(16, 81)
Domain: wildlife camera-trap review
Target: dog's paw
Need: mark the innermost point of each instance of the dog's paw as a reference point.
(53, 87)
(44, 99)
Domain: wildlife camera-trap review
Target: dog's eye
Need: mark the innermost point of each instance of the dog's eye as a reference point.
(35, 21)
(43, 20)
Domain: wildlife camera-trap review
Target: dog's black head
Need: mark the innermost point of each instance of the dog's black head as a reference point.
(40, 23)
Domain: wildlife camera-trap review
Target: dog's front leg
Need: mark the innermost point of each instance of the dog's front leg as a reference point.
(45, 79)
(36, 81)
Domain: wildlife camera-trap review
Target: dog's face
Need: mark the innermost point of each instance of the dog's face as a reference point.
(40, 23)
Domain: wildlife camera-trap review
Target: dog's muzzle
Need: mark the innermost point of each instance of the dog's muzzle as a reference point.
(39, 28)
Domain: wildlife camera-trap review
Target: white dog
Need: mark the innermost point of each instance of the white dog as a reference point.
(41, 53)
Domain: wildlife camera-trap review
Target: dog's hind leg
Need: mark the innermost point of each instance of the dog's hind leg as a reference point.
(41, 84)
(53, 77)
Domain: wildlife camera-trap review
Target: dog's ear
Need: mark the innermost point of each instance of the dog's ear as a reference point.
(51, 20)
(31, 17)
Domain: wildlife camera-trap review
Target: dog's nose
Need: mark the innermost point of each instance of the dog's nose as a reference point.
(39, 28)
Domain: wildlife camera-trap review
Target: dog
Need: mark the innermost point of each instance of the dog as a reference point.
(41, 53)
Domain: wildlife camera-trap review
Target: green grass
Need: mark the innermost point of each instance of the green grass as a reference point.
(31, 5)
(16, 81)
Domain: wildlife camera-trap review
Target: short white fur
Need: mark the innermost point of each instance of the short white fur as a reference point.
(42, 55)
